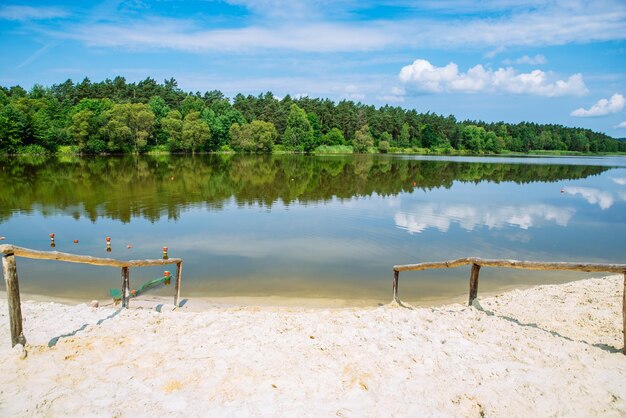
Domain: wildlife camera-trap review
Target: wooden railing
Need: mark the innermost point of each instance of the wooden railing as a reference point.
(477, 263)
(9, 268)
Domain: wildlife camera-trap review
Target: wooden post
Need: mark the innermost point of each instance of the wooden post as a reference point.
(125, 287)
(473, 290)
(179, 268)
(9, 270)
(396, 273)
(624, 313)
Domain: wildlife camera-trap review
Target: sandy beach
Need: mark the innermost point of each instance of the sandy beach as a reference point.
(551, 350)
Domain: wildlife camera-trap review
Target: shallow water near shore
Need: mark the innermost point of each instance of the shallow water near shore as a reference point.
(325, 228)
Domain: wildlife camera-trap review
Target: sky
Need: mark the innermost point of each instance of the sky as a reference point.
(544, 61)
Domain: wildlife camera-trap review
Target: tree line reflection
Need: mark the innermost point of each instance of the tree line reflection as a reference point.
(154, 186)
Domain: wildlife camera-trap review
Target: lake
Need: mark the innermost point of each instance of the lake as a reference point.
(328, 227)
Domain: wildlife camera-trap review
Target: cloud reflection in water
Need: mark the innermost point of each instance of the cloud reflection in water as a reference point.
(593, 196)
(441, 216)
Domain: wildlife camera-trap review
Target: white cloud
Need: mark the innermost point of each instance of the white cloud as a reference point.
(352, 92)
(314, 27)
(494, 52)
(602, 107)
(424, 76)
(593, 196)
(279, 8)
(185, 36)
(23, 13)
(441, 217)
(622, 125)
(396, 95)
(536, 60)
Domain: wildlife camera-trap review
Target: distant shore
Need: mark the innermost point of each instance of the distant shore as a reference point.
(524, 352)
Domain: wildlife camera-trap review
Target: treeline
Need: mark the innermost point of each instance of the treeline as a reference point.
(154, 186)
(114, 116)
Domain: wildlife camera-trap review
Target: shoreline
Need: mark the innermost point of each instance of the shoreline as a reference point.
(522, 352)
(199, 303)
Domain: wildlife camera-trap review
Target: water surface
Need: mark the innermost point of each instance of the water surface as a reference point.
(311, 227)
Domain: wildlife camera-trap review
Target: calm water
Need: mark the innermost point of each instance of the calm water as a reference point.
(329, 227)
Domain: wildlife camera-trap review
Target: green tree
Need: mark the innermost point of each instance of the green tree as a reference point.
(83, 127)
(363, 139)
(333, 137)
(314, 121)
(13, 128)
(299, 133)
(404, 140)
(474, 138)
(127, 126)
(172, 126)
(195, 132)
(257, 136)
(160, 110)
(493, 143)
(386, 137)
(191, 104)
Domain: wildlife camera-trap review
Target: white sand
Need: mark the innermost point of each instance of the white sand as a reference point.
(545, 351)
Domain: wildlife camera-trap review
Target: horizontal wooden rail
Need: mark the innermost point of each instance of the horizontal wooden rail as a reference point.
(83, 259)
(9, 268)
(477, 263)
(516, 264)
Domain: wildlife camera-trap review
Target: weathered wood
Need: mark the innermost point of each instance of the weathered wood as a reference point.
(530, 265)
(125, 287)
(434, 265)
(624, 312)
(9, 252)
(9, 270)
(84, 259)
(473, 290)
(179, 270)
(395, 285)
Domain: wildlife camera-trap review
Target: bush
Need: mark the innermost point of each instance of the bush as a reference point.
(383, 147)
(67, 150)
(159, 149)
(279, 149)
(33, 149)
(94, 146)
(334, 149)
(334, 137)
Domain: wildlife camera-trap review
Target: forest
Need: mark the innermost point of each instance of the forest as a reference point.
(115, 116)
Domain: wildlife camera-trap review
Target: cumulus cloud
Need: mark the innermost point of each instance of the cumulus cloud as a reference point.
(442, 216)
(593, 196)
(536, 60)
(602, 107)
(424, 76)
(622, 125)
(23, 13)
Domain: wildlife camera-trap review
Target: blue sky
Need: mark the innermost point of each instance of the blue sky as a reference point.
(539, 60)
